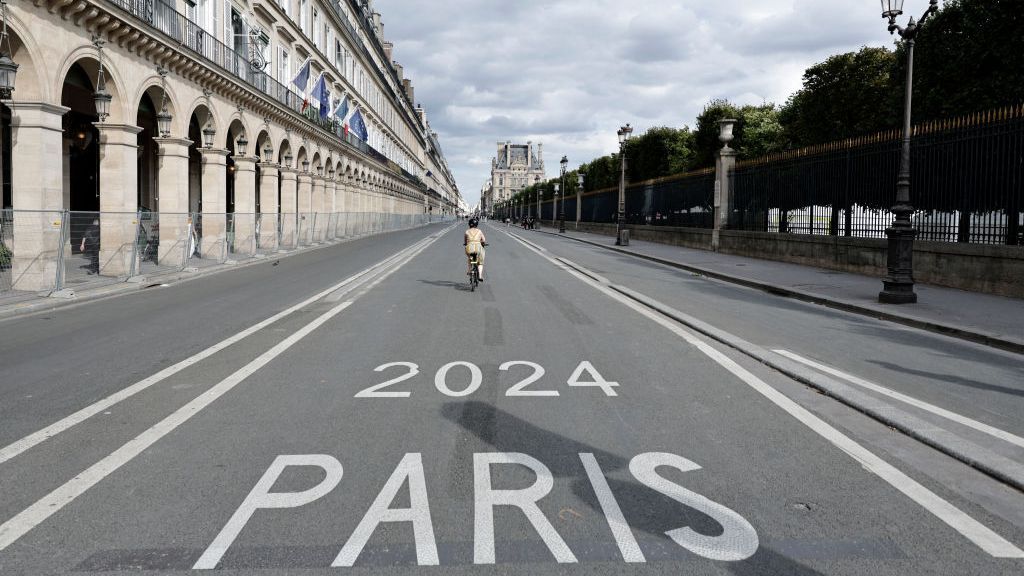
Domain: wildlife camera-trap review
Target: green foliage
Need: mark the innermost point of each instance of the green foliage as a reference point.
(705, 138)
(847, 95)
(5, 256)
(967, 58)
(659, 152)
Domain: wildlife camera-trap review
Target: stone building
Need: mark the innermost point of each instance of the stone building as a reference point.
(201, 116)
(515, 167)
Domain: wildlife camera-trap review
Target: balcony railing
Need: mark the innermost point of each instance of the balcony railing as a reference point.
(163, 17)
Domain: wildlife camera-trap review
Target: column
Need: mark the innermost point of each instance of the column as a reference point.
(289, 207)
(268, 206)
(723, 191)
(119, 193)
(305, 205)
(317, 208)
(331, 207)
(214, 241)
(245, 205)
(37, 185)
(172, 186)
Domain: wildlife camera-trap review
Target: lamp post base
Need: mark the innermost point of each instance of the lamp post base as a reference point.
(898, 286)
(622, 239)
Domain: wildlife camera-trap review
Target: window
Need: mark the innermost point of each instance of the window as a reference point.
(286, 6)
(316, 28)
(304, 16)
(283, 66)
(339, 56)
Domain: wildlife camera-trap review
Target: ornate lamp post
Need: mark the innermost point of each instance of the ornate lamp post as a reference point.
(579, 198)
(101, 97)
(242, 145)
(163, 118)
(268, 153)
(898, 285)
(621, 236)
(561, 214)
(536, 189)
(554, 209)
(8, 68)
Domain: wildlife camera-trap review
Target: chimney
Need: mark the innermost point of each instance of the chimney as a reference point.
(389, 47)
(407, 84)
(399, 70)
(529, 154)
(377, 27)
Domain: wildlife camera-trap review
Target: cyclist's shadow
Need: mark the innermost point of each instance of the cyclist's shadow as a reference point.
(461, 286)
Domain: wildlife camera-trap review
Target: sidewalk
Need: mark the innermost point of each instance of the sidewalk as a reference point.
(991, 320)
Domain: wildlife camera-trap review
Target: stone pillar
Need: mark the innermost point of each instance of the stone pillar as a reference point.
(268, 206)
(317, 208)
(172, 186)
(331, 207)
(289, 207)
(119, 193)
(305, 205)
(724, 165)
(37, 185)
(245, 204)
(213, 243)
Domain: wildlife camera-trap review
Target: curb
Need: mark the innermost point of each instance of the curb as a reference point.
(121, 287)
(987, 339)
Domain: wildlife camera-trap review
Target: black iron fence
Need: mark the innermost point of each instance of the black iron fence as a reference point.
(967, 184)
(680, 200)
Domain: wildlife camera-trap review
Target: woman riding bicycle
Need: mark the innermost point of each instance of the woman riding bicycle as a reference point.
(474, 241)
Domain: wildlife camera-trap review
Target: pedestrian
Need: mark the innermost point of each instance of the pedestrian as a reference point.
(91, 246)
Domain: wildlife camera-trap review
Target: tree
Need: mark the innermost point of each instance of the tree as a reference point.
(967, 58)
(659, 152)
(762, 131)
(847, 95)
(705, 139)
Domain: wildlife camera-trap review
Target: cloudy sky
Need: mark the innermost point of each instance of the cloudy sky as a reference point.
(568, 73)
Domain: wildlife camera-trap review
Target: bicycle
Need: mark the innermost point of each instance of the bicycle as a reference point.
(474, 272)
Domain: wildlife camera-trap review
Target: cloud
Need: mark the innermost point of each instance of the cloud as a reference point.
(569, 73)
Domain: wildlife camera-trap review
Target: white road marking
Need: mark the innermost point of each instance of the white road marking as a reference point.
(628, 545)
(28, 442)
(35, 514)
(418, 513)
(260, 497)
(982, 536)
(970, 423)
(486, 498)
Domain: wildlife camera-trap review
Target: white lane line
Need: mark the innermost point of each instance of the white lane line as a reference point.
(26, 443)
(982, 536)
(35, 514)
(979, 426)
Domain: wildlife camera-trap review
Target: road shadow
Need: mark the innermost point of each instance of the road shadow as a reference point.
(645, 510)
(951, 378)
(460, 286)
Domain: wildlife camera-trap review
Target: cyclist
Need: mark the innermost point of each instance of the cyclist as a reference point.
(474, 241)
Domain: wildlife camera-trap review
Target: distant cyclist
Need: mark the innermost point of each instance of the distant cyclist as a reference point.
(474, 241)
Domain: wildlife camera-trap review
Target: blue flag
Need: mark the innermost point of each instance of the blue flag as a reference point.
(301, 80)
(322, 95)
(358, 126)
(342, 110)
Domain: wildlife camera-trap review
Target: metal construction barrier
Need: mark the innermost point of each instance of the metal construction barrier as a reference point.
(54, 252)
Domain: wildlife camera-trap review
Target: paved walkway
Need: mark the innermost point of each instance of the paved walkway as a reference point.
(992, 320)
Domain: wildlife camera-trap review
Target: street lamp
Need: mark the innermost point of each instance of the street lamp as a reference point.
(536, 189)
(621, 234)
(554, 209)
(8, 68)
(288, 160)
(898, 285)
(163, 118)
(268, 153)
(243, 145)
(579, 198)
(561, 215)
(101, 97)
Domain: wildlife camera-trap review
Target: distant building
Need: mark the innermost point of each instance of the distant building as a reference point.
(515, 167)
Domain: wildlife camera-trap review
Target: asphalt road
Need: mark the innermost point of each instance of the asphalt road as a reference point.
(356, 409)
